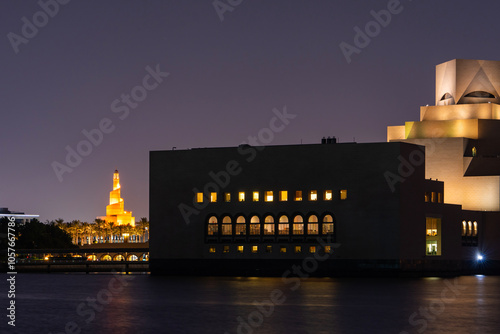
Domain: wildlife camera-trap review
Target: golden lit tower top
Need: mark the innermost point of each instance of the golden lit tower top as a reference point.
(115, 210)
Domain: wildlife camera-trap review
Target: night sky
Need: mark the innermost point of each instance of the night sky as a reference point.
(225, 78)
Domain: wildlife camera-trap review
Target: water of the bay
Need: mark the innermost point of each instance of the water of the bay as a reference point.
(143, 304)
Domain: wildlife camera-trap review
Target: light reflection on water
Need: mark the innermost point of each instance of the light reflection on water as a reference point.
(46, 303)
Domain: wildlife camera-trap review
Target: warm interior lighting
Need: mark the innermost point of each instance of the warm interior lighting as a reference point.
(343, 194)
(227, 197)
(240, 249)
(241, 196)
(211, 249)
(213, 197)
(313, 195)
(298, 195)
(269, 196)
(312, 249)
(328, 195)
(298, 249)
(283, 195)
(255, 249)
(199, 197)
(255, 196)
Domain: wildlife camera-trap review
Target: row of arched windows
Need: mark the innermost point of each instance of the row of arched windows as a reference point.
(469, 228)
(268, 225)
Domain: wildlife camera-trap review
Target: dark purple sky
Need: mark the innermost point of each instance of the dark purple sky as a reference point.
(225, 79)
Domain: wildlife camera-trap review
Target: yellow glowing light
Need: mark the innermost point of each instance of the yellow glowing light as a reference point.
(313, 195)
(255, 196)
(328, 195)
(213, 197)
(283, 195)
(115, 212)
(241, 196)
(199, 197)
(269, 196)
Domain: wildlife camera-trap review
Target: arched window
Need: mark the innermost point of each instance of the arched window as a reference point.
(132, 257)
(227, 227)
(269, 225)
(327, 224)
(474, 231)
(283, 226)
(312, 225)
(106, 257)
(213, 227)
(298, 225)
(241, 227)
(469, 231)
(255, 225)
(119, 257)
(464, 228)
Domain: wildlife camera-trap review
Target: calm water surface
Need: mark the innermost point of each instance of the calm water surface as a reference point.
(100, 303)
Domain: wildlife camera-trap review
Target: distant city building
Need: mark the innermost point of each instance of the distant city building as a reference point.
(21, 217)
(340, 209)
(115, 212)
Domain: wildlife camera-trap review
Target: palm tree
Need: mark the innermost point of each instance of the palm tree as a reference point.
(143, 226)
(99, 227)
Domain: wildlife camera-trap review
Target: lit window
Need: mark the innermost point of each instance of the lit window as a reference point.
(313, 195)
(298, 249)
(226, 249)
(283, 226)
(283, 249)
(211, 249)
(213, 227)
(440, 197)
(431, 248)
(469, 231)
(327, 225)
(312, 225)
(298, 195)
(269, 249)
(213, 197)
(255, 225)
(328, 249)
(474, 232)
(343, 194)
(298, 225)
(240, 249)
(241, 227)
(431, 226)
(283, 195)
(427, 197)
(328, 195)
(227, 227)
(255, 249)
(312, 249)
(255, 196)
(464, 228)
(269, 196)
(269, 225)
(199, 197)
(433, 197)
(241, 196)
(227, 197)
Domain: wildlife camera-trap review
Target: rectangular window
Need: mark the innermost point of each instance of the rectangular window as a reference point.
(255, 229)
(283, 249)
(255, 196)
(227, 229)
(269, 249)
(199, 197)
(312, 249)
(211, 249)
(241, 196)
(440, 197)
(298, 249)
(298, 228)
(226, 249)
(432, 248)
(427, 197)
(343, 194)
(269, 196)
(213, 197)
(283, 195)
(327, 228)
(313, 195)
(255, 249)
(283, 229)
(241, 229)
(240, 249)
(312, 228)
(269, 229)
(433, 197)
(431, 226)
(298, 195)
(328, 196)
(328, 249)
(227, 197)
